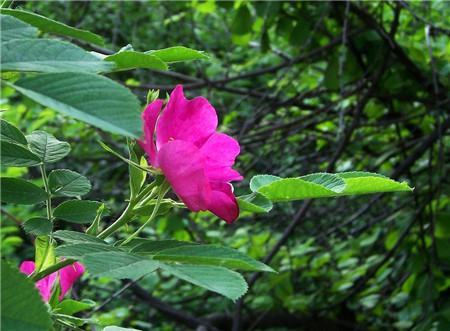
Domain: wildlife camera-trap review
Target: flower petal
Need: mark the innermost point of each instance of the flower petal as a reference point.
(68, 276)
(27, 267)
(183, 165)
(223, 203)
(189, 120)
(44, 285)
(220, 152)
(149, 117)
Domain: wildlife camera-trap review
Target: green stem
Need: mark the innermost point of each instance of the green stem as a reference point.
(122, 220)
(48, 204)
(53, 268)
(47, 189)
(161, 193)
(127, 214)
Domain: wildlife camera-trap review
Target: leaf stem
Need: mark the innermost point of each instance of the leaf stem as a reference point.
(53, 268)
(49, 194)
(161, 193)
(127, 214)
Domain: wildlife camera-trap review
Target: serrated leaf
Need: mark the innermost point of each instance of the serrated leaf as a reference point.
(321, 185)
(15, 155)
(75, 237)
(13, 28)
(126, 60)
(77, 211)
(217, 279)
(38, 226)
(78, 250)
(93, 99)
(290, 189)
(68, 183)
(178, 54)
(48, 25)
(261, 180)
(147, 246)
(22, 308)
(48, 55)
(211, 255)
(255, 203)
(47, 147)
(20, 191)
(118, 265)
(358, 182)
(11, 134)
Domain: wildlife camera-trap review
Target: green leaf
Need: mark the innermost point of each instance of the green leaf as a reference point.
(22, 192)
(137, 176)
(306, 187)
(15, 155)
(261, 180)
(70, 307)
(211, 255)
(255, 203)
(321, 185)
(94, 227)
(118, 265)
(68, 183)
(78, 250)
(38, 226)
(12, 28)
(44, 252)
(22, 308)
(178, 54)
(77, 211)
(126, 60)
(47, 147)
(146, 246)
(48, 25)
(75, 237)
(217, 279)
(11, 134)
(358, 182)
(48, 55)
(90, 98)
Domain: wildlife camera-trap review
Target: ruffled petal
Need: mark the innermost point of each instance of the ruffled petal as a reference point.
(149, 117)
(220, 152)
(183, 165)
(68, 276)
(44, 285)
(223, 202)
(189, 120)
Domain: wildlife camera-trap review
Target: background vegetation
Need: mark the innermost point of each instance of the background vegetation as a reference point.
(304, 87)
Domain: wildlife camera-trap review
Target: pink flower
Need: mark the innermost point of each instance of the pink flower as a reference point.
(195, 159)
(67, 277)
